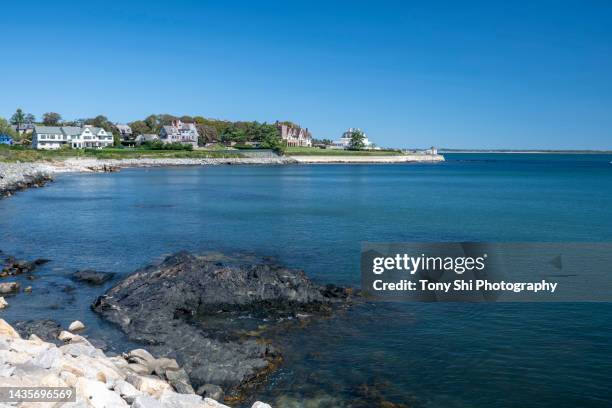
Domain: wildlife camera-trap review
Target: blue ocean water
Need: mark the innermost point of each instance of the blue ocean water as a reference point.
(315, 218)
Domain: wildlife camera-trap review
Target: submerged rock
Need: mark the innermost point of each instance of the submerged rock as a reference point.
(9, 287)
(47, 329)
(92, 277)
(195, 309)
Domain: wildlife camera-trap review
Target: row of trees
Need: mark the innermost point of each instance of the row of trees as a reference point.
(20, 118)
(215, 130)
(210, 130)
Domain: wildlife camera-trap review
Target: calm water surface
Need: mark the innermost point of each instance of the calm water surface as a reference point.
(315, 218)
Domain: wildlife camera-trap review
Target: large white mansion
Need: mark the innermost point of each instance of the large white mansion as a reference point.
(345, 141)
(55, 137)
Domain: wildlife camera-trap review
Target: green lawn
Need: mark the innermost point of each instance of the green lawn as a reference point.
(22, 154)
(314, 151)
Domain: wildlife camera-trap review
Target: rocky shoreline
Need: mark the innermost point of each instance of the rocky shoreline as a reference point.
(19, 176)
(134, 379)
(211, 321)
(217, 316)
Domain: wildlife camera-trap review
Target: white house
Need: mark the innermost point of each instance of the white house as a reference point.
(345, 141)
(48, 137)
(55, 137)
(179, 132)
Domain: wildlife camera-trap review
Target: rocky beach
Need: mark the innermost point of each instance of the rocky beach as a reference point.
(134, 379)
(209, 320)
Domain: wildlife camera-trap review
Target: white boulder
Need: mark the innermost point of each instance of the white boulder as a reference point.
(76, 325)
(97, 395)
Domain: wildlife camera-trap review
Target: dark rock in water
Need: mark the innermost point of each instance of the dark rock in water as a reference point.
(92, 277)
(194, 310)
(211, 391)
(48, 330)
(13, 266)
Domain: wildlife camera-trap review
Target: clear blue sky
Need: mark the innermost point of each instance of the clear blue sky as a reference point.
(482, 74)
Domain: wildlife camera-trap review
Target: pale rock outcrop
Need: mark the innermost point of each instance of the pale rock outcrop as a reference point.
(146, 401)
(76, 326)
(66, 336)
(7, 331)
(151, 385)
(260, 404)
(99, 381)
(3, 303)
(9, 287)
(97, 395)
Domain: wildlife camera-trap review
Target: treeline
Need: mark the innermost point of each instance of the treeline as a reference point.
(215, 130)
(210, 130)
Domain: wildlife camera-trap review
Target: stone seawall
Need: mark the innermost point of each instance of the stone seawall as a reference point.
(408, 158)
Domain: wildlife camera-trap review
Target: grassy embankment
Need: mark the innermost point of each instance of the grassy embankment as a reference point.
(314, 151)
(22, 154)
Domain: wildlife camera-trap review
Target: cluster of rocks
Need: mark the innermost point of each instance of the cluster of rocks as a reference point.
(12, 267)
(19, 176)
(135, 379)
(198, 311)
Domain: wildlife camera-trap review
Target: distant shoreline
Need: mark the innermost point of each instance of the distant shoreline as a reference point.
(526, 151)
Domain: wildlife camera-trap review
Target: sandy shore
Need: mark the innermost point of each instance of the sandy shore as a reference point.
(408, 158)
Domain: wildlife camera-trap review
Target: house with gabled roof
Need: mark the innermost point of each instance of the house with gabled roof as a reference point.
(56, 137)
(179, 132)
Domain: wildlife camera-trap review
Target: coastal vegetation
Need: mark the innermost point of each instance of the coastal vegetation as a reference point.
(314, 151)
(23, 154)
(357, 140)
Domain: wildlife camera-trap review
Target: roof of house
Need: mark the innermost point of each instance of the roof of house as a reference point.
(48, 129)
(147, 136)
(72, 130)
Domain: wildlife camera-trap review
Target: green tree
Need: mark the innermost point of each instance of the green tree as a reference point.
(7, 129)
(29, 118)
(101, 121)
(206, 134)
(139, 127)
(18, 119)
(52, 118)
(152, 123)
(271, 139)
(356, 142)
